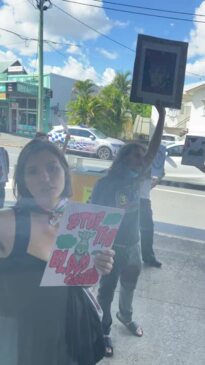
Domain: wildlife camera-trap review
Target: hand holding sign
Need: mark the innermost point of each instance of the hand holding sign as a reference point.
(104, 261)
(82, 248)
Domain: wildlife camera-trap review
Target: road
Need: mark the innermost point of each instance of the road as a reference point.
(177, 211)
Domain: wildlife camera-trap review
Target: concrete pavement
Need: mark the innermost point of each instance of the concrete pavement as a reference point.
(11, 140)
(169, 303)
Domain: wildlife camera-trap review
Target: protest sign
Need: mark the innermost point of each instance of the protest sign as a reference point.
(3, 166)
(85, 230)
(159, 71)
(158, 162)
(194, 151)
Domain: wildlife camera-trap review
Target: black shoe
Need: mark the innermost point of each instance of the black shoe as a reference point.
(152, 261)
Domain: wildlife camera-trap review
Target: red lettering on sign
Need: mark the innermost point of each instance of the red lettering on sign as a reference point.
(57, 261)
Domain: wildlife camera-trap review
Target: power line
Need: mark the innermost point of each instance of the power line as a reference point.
(94, 30)
(134, 12)
(49, 42)
(31, 3)
(24, 38)
(153, 9)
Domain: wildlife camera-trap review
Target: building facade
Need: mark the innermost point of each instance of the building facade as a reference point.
(19, 99)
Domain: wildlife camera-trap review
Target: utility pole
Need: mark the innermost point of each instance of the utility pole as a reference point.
(42, 5)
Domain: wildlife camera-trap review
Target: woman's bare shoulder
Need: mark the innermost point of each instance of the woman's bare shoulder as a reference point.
(7, 231)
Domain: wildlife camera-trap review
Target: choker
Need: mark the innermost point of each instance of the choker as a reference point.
(54, 215)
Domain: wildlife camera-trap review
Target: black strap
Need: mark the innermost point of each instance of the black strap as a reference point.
(22, 232)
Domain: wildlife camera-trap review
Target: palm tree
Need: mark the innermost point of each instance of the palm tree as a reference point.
(81, 108)
(122, 82)
(84, 89)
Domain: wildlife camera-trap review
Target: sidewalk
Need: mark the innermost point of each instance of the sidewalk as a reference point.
(170, 305)
(11, 140)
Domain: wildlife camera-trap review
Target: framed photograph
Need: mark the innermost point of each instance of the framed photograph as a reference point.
(159, 71)
(194, 151)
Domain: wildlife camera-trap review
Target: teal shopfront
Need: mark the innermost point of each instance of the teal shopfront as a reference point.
(18, 104)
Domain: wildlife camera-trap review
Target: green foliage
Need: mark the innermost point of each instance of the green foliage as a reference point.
(108, 110)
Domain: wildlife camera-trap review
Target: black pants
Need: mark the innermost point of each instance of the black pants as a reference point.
(2, 195)
(146, 229)
(127, 267)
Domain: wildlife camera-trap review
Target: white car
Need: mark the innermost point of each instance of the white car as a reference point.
(176, 172)
(86, 140)
(168, 138)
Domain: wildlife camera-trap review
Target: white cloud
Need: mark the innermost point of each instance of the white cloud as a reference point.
(74, 49)
(75, 69)
(107, 54)
(121, 24)
(108, 76)
(8, 56)
(196, 67)
(58, 26)
(197, 35)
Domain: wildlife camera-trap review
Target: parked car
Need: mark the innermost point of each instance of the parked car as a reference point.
(176, 172)
(168, 138)
(86, 140)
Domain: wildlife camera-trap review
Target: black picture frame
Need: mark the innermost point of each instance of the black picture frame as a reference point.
(159, 71)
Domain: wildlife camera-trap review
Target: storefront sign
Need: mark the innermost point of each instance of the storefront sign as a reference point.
(14, 69)
(11, 87)
(2, 96)
(27, 89)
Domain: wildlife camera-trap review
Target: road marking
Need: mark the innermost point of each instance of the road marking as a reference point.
(180, 192)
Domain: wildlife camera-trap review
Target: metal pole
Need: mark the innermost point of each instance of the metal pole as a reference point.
(40, 69)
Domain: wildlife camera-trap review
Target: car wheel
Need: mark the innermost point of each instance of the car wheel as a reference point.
(104, 153)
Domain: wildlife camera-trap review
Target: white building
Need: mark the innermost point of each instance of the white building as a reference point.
(62, 89)
(191, 117)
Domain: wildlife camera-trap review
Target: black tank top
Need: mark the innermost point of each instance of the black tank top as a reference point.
(54, 324)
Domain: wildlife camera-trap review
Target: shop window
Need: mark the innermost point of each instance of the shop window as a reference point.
(31, 103)
(22, 117)
(31, 119)
(22, 102)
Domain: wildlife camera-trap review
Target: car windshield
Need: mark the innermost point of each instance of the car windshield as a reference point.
(98, 133)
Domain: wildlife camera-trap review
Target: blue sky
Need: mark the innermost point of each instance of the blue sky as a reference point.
(87, 54)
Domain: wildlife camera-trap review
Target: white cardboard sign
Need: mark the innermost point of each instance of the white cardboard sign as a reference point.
(85, 230)
(194, 151)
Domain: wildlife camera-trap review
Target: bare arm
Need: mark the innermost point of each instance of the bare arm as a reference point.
(156, 138)
(7, 232)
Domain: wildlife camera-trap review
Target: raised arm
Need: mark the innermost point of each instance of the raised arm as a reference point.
(156, 138)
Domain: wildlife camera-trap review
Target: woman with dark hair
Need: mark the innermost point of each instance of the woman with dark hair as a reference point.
(42, 325)
(120, 188)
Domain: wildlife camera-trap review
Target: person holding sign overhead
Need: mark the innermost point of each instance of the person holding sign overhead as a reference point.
(121, 188)
(42, 325)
